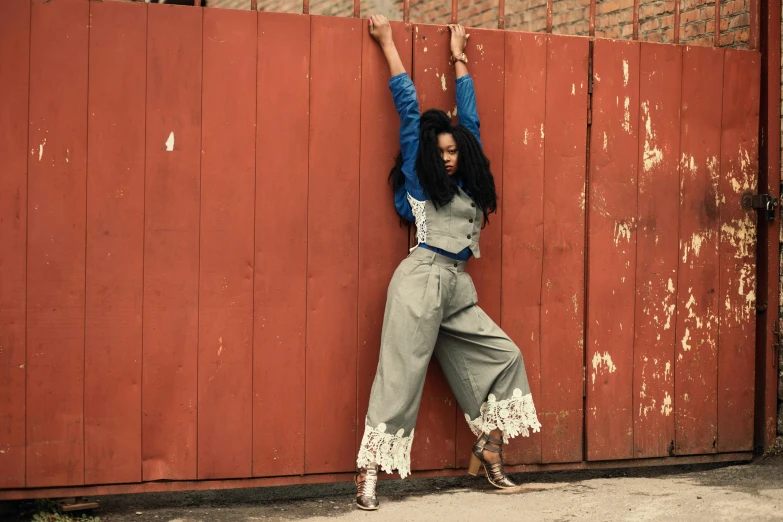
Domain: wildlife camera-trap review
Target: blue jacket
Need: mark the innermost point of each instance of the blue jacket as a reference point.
(407, 104)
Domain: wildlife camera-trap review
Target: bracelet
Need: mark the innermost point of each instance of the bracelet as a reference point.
(460, 58)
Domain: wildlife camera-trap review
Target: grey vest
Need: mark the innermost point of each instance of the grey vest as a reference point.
(452, 227)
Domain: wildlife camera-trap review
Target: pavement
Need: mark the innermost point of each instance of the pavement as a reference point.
(752, 491)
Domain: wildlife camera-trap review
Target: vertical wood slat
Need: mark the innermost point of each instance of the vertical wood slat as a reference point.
(657, 250)
(227, 223)
(332, 245)
(522, 208)
(56, 243)
(115, 242)
(738, 238)
(562, 291)
(171, 243)
(14, 128)
(383, 239)
(486, 49)
(611, 265)
(280, 295)
(436, 428)
(696, 367)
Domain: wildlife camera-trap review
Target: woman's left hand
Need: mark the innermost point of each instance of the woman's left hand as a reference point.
(459, 39)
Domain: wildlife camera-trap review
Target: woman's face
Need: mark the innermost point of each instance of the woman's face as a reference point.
(448, 152)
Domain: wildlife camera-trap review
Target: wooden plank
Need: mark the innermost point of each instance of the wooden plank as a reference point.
(696, 367)
(333, 245)
(280, 302)
(436, 426)
(611, 265)
(523, 214)
(14, 102)
(768, 352)
(383, 238)
(171, 242)
(562, 291)
(657, 249)
(225, 350)
(56, 243)
(737, 293)
(486, 49)
(115, 243)
(298, 480)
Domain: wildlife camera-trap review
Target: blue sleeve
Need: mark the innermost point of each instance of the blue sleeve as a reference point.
(404, 94)
(402, 204)
(466, 106)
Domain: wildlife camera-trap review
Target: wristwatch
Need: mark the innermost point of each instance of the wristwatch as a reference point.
(460, 58)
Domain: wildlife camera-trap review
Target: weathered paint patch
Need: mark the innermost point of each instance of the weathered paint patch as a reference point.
(170, 142)
(622, 230)
(666, 407)
(625, 73)
(652, 154)
(627, 114)
(604, 360)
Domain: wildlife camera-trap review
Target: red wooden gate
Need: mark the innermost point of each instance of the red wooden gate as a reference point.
(196, 235)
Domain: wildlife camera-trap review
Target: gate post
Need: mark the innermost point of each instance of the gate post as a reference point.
(768, 231)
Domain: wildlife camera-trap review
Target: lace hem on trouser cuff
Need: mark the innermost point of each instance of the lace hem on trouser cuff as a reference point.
(512, 417)
(388, 450)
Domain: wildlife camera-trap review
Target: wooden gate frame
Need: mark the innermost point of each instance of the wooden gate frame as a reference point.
(765, 37)
(765, 17)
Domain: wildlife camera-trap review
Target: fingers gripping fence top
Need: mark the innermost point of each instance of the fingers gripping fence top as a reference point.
(753, 11)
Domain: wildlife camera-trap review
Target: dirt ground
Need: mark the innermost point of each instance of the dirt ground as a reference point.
(751, 491)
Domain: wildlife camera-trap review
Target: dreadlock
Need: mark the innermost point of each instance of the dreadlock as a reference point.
(473, 165)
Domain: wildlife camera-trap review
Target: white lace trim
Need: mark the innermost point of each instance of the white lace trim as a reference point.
(419, 214)
(512, 417)
(389, 451)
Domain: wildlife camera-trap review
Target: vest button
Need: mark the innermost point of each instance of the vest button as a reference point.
(473, 205)
(468, 236)
(456, 265)
(470, 221)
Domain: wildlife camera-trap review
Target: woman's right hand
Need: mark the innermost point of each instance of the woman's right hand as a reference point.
(380, 30)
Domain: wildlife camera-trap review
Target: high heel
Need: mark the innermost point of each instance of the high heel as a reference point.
(366, 480)
(495, 473)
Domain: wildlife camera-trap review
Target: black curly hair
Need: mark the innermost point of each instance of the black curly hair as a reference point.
(473, 167)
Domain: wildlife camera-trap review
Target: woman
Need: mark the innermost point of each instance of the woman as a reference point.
(442, 182)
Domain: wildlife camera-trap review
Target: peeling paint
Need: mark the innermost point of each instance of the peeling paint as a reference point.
(41, 149)
(602, 360)
(442, 81)
(622, 231)
(627, 114)
(652, 154)
(170, 142)
(625, 73)
(685, 339)
(741, 234)
(666, 407)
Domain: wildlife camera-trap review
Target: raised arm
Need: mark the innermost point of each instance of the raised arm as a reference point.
(466, 95)
(407, 104)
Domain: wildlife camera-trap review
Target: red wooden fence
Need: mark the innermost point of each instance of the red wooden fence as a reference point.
(196, 234)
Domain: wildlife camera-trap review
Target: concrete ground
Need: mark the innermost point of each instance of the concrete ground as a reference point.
(751, 491)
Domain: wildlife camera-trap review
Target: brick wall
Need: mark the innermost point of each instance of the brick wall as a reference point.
(614, 18)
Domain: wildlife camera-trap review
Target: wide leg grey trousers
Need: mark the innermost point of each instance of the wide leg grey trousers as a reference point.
(431, 308)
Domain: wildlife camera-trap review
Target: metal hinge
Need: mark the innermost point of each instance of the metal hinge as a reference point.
(584, 381)
(764, 203)
(590, 86)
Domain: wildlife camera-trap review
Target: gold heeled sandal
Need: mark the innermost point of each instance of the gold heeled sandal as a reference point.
(366, 480)
(495, 473)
